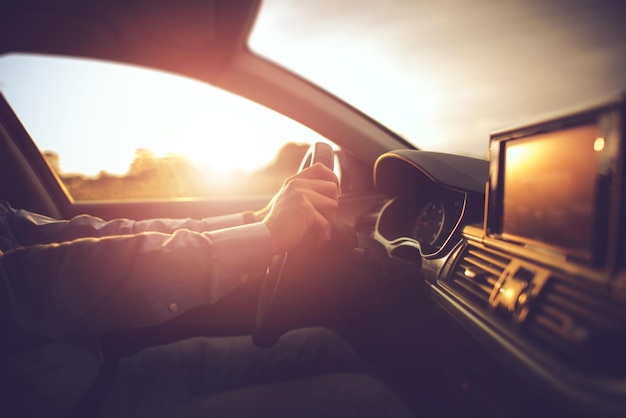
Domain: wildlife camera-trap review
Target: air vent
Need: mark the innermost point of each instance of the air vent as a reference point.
(477, 272)
(581, 323)
(575, 319)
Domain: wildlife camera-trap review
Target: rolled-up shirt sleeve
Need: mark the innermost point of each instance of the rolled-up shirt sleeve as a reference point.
(32, 228)
(90, 285)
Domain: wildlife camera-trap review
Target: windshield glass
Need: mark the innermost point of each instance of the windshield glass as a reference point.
(445, 74)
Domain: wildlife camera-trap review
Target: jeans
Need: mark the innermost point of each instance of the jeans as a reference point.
(309, 373)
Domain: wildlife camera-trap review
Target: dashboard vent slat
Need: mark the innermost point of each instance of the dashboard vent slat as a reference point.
(477, 272)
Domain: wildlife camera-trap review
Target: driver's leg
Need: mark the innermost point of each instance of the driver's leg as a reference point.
(155, 381)
(339, 395)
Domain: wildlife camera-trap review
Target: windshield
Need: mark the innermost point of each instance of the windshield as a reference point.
(445, 74)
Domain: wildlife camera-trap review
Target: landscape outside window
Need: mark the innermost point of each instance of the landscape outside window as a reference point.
(176, 176)
(113, 131)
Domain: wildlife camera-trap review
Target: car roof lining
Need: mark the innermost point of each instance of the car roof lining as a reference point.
(189, 37)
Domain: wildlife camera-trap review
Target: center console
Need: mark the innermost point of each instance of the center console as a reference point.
(543, 281)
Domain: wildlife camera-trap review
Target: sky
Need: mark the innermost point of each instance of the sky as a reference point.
(447, 73)
(443, 74)
(107, 111)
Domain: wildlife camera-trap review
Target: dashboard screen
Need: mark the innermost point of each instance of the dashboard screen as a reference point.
(549, 187)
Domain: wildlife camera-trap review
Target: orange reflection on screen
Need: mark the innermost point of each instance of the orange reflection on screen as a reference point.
(550, 185)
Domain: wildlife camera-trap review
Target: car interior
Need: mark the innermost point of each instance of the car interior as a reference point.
(475, 287)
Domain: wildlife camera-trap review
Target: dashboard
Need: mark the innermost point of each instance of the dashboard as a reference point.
(420, 224)
(426, 214)
(531, 268)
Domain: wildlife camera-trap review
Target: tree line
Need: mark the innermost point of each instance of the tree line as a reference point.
(175, 176)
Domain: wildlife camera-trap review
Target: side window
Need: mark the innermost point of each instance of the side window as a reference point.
(117, 132)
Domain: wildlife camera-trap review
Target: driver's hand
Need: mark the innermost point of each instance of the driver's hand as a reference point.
(304, 206)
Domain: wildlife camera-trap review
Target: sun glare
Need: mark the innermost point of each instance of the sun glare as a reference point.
(355, 68)
(109, 111)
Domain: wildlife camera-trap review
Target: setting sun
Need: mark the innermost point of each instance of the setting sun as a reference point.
(138, 108)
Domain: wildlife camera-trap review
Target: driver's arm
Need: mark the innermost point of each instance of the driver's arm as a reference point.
(90, 285)
(31, 228)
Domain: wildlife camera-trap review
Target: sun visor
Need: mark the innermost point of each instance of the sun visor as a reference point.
(399, 170)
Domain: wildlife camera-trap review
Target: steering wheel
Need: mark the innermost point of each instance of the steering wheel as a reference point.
(293, 277)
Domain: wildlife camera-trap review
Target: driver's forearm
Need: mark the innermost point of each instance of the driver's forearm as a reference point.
(31, 228)
(93, 285)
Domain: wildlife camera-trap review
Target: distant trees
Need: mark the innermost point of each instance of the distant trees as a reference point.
(174, 176)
